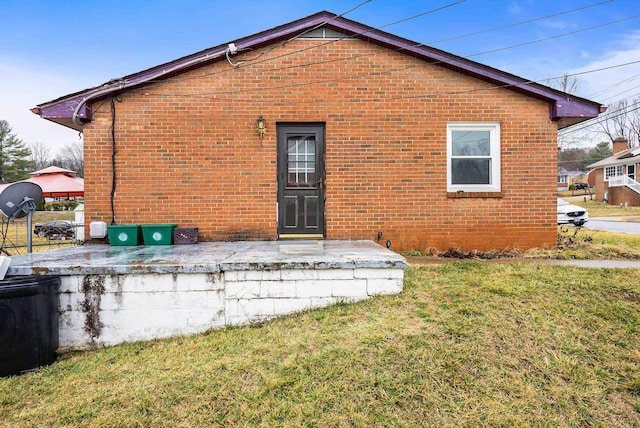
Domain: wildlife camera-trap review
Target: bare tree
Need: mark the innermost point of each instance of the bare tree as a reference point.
(40, 155)
(566, 83)
(570, 85)
(622, 120)
(634, 124)
(71, 157)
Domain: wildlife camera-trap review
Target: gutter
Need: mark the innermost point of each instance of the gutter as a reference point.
(122, 84)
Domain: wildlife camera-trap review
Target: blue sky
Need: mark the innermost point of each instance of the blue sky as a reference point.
(52, 48)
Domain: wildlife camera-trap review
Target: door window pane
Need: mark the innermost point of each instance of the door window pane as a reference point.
(301, 161)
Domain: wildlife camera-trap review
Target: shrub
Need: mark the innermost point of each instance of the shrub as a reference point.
(61, 205)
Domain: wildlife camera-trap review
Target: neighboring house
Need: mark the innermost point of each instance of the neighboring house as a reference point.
(326, 128)
(616, 176)
(567, 178)
(563, 178)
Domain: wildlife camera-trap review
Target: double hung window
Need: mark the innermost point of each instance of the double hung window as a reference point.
(473, 157)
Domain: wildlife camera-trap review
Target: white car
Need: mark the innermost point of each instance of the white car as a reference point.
(571, 214)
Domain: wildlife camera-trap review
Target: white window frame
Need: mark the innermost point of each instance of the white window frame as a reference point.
(494, 156)
(631, 174)
(612, 171)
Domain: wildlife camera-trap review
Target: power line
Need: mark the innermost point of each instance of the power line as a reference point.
(241, 65)
(433, 63)
(419, 15)
(600, 119)
(628, 79)
(227, 52)
(518, 23)
(362, 33)
(377, 73)
(524, 83)
(605, 117)
(554, 37)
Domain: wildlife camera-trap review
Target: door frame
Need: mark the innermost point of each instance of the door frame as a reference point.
(282, 130)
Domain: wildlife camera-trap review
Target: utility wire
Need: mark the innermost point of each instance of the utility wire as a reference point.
(378, 73)
(554, 37)
(629, 79)
(524, 83)
(295, 37)
(599, 120)
(433, 63)
(417, 16)
(517, 23)
(358, 34)
(608, 115)
(254, 61)
(421, 44)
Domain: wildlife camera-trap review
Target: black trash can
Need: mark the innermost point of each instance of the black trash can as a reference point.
(28, 323)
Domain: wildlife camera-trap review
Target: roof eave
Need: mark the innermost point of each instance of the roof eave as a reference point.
(74, 109)
(616, 159)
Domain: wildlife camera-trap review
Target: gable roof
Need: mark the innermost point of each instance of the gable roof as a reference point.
(55, 182)
(53, 170)
(623, 157)
(571, 174)
(73, 109)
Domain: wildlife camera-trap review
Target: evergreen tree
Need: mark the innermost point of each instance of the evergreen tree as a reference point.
(15, 156)
(571, 159)
(600, 151)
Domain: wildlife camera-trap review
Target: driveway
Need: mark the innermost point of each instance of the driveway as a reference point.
(614, 224)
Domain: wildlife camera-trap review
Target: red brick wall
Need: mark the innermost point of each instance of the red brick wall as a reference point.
(622, 195)
(188, 151)
(601, 186)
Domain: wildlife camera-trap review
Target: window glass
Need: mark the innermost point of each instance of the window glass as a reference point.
(470, 171)
(301, 161)
(473, 157)
(612, 171)
(470, 143)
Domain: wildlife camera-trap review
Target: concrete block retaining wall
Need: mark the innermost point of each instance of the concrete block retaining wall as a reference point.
(104, 310)
(111, 295)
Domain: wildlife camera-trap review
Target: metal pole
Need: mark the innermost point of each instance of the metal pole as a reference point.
(29, 238)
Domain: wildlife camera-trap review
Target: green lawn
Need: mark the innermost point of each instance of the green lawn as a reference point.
(465, 344)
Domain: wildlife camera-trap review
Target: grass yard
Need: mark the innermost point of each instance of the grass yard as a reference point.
(585, 244)
(600, 209)
(465, 344)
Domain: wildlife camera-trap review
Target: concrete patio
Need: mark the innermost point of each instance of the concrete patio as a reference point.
(111, 295)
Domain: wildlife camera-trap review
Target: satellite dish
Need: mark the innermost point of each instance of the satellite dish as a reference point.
(18, 199)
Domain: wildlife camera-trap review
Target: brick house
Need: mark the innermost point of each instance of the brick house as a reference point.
(326, 128)
(616, 177)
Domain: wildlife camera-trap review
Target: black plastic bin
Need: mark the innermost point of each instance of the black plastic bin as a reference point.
(28, 323)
